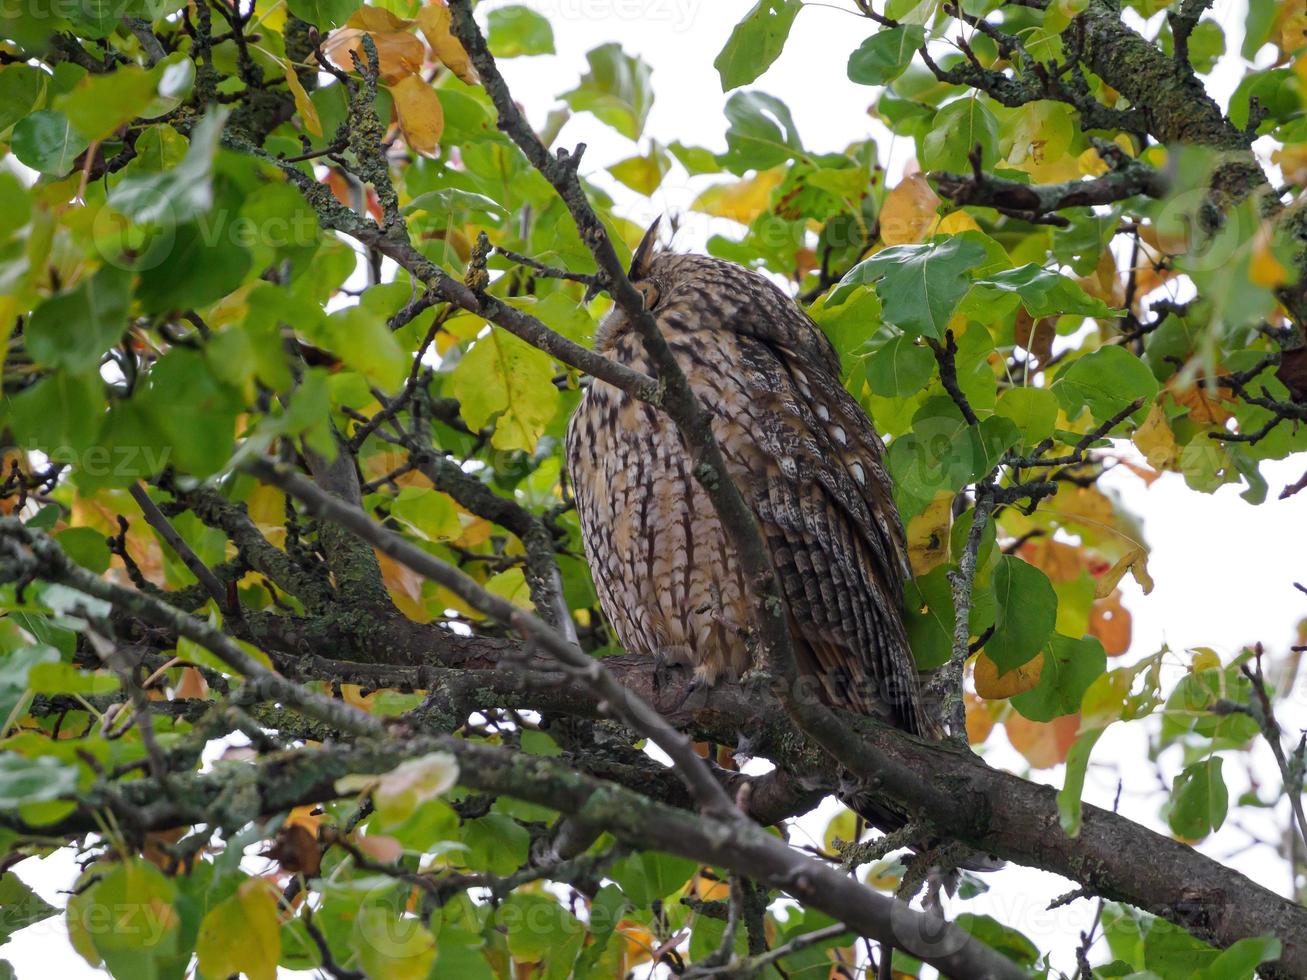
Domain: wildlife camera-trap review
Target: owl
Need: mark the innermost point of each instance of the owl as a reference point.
(807, 461)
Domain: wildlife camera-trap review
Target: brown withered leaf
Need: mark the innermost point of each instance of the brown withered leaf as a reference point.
(297, 850)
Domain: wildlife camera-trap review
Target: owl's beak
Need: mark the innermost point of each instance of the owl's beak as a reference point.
(644, 252)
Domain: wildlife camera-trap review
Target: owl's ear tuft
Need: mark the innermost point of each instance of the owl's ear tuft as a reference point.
(642, 258)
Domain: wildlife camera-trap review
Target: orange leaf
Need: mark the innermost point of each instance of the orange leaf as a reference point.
(381, 848)
(909, 211)
(400, 53)
(994, 686)
(1044, 744)
(192, 685)
(980, 721)
(421, 116)
(1061, 562)
(1111, 623)
(378, 20)
(433, 21)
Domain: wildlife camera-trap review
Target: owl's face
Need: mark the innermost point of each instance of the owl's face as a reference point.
(658, 275)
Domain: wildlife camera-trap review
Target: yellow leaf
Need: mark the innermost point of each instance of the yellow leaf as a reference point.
(506, 379)
(421, 117)
(928, 534)
(303, 104)
(241, 934)
(908, 213)
(955, 222)
(1264, 269)
(992, 685)
(1136, 562)
(433, 21)
(377, 20)
(1156, 440)
(1040, 139)
(741, 201)
(1292, 26)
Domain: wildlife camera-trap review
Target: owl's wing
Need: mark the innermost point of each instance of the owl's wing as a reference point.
(815, 476)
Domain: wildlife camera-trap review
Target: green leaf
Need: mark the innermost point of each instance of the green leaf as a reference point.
(755, 42)
(516, 30)
(1070, 813)
(46, 141)
(326, 14)
(20, 907)
(72, 329)
(762, 133)
(451, 205)
(995, 935)
(1032, 410)
(882, 57)
(64, 678)
(643, 174)
(364, 342)
(496, 843)
(1045, 292)
(1170, 951)
(1106, 381)
(1199, 800)
(1025, 613)
(616, 89)
(24, 780)
(919, 285)
(537, 925)
(506, 379)
(649, 876)
(958, 128)
(181, 194)
(21, 88)
(190, 268)
(1070, 666)
(128, 917)
(899, 368)
(428, 512)
(694, 159)
(60, 414)
(192, 411)
(101, 103)
(1240, 961)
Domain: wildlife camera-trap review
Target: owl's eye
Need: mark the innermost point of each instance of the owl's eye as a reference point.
(650, 293)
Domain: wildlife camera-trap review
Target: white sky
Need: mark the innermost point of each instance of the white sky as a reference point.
(1223, 568)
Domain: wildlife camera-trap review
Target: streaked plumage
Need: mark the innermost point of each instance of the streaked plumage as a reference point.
(806, 458)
